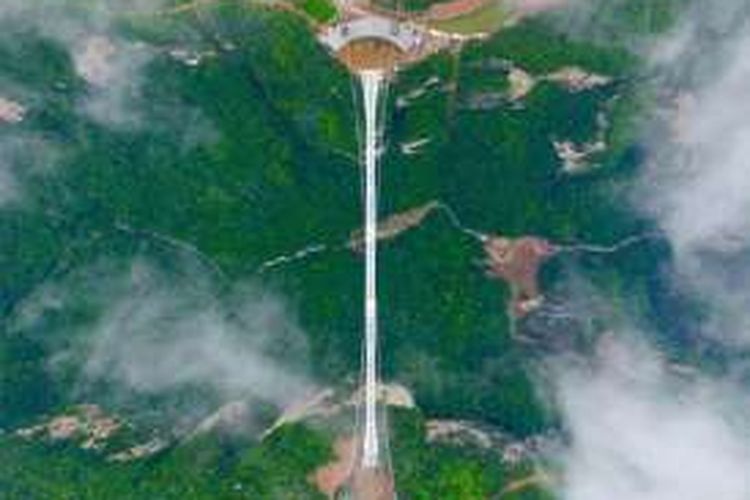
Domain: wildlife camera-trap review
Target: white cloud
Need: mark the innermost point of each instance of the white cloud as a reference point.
(114, 70)
(8, 186)
(155, 334)
(110, 63)
(638, 433)
(697, 185)
(22, 156)
(703, 196)
(637, 430)
(112, 102)
(114, 67)
(158, 341)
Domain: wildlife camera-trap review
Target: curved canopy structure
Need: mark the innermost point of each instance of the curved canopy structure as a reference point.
(403, 36)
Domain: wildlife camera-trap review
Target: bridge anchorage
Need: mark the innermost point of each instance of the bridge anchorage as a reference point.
(371, 42)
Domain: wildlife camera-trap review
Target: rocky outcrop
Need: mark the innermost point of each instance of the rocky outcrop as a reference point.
(512, 451)
(576, 158)
(520, 84)
(571, 78)
(94, 60)
(393, 226)
(139, 451)
(11, 111)
(428, 85)
(87, 424)
(577, 79)
(327, 403)
(413, 147)
(231, 417)
(90, 428)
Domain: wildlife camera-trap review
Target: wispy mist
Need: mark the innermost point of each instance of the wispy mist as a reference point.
(148, 333)
(639, 432)
(697, 184)
(89, 31)
(22, 155)
(639, 427)
(8, 186)
(106, 73)
(157, 341)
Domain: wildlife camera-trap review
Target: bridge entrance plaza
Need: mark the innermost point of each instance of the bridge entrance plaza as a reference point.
(373, 42)
(405, 36)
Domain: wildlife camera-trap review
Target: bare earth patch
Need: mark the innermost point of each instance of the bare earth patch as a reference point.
(577, 79)
(320, 404)
(517, 262)
(521, 84)
(362, 483)
(449, 10)
(512, 450)
(372, 484)
(231, 417)
(93, 61)
(11, 112)
(457, 432)
(536, 479)
(579, 158)
(395, 395)
(139, 451)
(572, 78)
(576, 157)
(88, 422)
(414, 147)
(331, 477)
(396, 224)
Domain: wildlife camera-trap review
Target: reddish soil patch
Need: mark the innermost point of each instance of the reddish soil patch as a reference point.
(330, 478)
(517, 262)
(372, 484)
(456, 8)
(370, 54)
(360, 483)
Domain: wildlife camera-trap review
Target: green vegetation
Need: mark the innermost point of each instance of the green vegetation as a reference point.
(323, 11)
(281, 466)
(252, 154)
(497, 167)
(407, 5)
(222, 157)
(25, 387)
(537, 48)
(447, 334)
(622, 19)
(426, 471)
(246, 163)
(207, 468)
(486, 19)
(224, 466)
